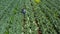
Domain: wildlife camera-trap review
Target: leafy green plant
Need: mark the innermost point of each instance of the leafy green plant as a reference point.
(29, 17)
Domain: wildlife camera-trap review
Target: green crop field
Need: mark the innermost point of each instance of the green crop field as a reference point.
(29, 16)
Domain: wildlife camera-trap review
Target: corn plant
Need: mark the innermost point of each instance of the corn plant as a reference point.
(29, 16)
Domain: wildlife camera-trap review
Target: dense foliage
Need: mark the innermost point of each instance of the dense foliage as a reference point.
(29, 16)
